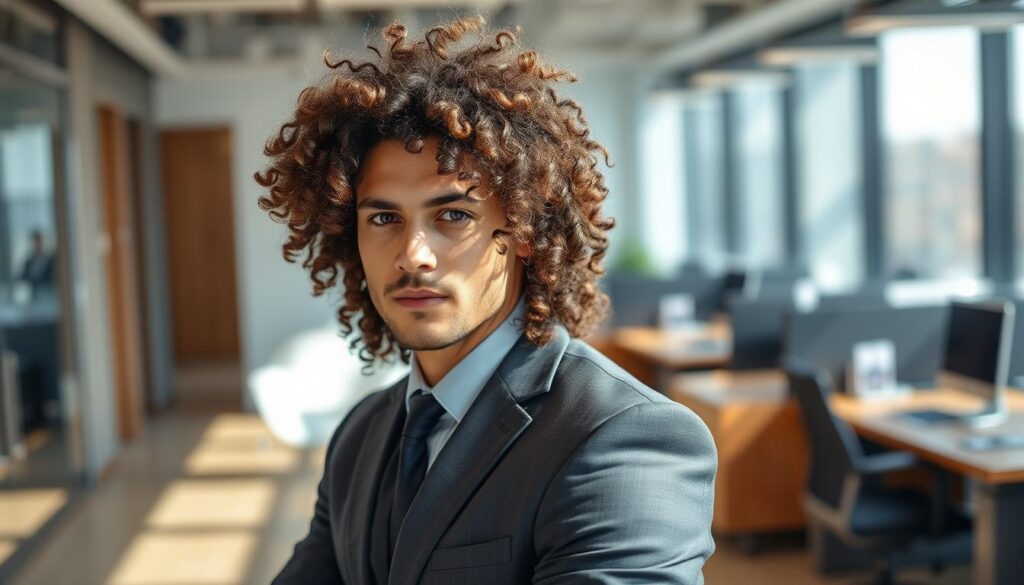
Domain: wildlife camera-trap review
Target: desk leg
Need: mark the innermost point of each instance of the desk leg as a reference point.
(999, 535)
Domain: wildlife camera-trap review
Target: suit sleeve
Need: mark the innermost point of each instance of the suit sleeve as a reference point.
(633, 504)
(313, 560)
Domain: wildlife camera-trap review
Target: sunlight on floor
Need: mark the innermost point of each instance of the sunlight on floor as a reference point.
(214, 504)
(23, 512)
(240, 444)
(7, 548)
(204, 530)
(196, 559)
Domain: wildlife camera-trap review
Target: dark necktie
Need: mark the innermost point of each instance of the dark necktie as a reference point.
(424, 412)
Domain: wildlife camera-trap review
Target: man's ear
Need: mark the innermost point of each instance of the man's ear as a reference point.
(523, 250)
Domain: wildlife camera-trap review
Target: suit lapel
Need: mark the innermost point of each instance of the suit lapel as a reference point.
(490, 427)
(381, 439)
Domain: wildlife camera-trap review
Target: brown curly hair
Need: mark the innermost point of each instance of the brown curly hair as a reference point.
(492, 108)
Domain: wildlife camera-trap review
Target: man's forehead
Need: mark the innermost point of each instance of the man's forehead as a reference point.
(391, 172)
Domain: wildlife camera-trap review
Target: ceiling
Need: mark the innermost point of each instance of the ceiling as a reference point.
(265, 29)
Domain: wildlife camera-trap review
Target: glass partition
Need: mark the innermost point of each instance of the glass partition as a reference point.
(39, 468)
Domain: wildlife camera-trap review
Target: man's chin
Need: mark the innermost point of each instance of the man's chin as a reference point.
(425, 338)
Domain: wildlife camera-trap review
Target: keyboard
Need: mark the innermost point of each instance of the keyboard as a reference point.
(931, 416)
(993, 442)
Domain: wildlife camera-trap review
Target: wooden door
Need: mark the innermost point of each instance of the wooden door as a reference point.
(196, 169)
(122, 278)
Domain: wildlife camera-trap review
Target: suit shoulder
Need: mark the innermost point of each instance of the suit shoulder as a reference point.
(588, 364)
(595, 390)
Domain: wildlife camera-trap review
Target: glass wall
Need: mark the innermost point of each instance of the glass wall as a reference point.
(757, 112)
(40, 450)
(828, 145)
(705, 149)
(932, 124)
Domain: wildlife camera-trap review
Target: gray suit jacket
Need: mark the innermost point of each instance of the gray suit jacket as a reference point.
(566, 469)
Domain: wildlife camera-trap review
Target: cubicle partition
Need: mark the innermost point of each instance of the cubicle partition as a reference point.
(635, 298)
(826, 339)
(757, 332)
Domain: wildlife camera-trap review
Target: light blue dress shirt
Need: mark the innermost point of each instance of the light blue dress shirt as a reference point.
(458, 389)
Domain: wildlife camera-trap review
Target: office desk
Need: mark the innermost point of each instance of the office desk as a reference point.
(738, 406)
(652, 354)
(999, 518)
(762, 447)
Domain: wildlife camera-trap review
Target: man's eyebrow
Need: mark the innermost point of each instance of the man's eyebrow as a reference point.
(377, 203)
(450, 198)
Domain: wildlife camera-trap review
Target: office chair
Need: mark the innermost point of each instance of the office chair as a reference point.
(844, 497)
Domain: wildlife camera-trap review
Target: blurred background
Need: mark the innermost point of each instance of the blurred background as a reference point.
(813, 180)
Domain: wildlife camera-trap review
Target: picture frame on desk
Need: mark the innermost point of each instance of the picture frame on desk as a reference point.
(871, 374)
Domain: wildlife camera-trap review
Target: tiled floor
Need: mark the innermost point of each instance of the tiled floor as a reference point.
(199, 499)
(213, 499)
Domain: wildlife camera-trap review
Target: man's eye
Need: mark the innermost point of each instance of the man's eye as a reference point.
(455, 216)
(382, 218)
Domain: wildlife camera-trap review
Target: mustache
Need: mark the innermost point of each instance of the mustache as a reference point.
(409, 280)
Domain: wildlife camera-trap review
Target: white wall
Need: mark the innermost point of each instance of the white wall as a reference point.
(275, 296)
(99, 74)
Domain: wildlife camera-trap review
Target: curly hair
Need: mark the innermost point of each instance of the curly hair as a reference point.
(492, 109)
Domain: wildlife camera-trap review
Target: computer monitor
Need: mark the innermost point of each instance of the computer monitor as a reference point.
(977, 356)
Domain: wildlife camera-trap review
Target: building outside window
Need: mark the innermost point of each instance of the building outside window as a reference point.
(828, 150)
(931, 125)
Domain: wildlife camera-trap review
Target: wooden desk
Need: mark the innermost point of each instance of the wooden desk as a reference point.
(738, 406)
(999, 516)
(938, 442)
(762, 448)
(652, 354)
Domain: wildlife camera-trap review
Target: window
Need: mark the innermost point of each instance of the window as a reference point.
(932, 124)
(661, 178)
(757, 112)
(1017, 84)
(704, 171)
(828, 148)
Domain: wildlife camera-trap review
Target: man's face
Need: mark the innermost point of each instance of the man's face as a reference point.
(432, 266)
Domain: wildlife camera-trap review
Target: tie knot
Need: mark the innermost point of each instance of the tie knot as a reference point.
(424, 410)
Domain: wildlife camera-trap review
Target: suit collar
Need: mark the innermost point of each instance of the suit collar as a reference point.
(357, 522)
(529, 370)
(457, 390)
(493, 423)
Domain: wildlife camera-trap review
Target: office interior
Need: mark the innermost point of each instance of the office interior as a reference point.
(820, 219)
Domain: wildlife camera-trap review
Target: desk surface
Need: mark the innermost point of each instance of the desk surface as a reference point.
(41, 311)
(879, 420)
(724, 387)
(938, 442)
(710, 346)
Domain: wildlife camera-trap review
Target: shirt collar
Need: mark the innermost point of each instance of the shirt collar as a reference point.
(457, 390)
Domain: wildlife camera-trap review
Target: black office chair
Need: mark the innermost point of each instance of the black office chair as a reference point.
(845, 498)
(757, 331)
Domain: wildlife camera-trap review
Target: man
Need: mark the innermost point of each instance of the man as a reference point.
(460, 197)
(37, 270)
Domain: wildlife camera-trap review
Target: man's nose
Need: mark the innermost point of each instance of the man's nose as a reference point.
(417, 254)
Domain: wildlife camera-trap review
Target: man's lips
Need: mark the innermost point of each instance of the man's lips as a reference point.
(418, 294)
(419, 299)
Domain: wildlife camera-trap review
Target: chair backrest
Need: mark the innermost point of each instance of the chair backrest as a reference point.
(757, 332)
(835, 449)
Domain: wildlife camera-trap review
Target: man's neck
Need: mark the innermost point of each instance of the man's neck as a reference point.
(435, 365)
